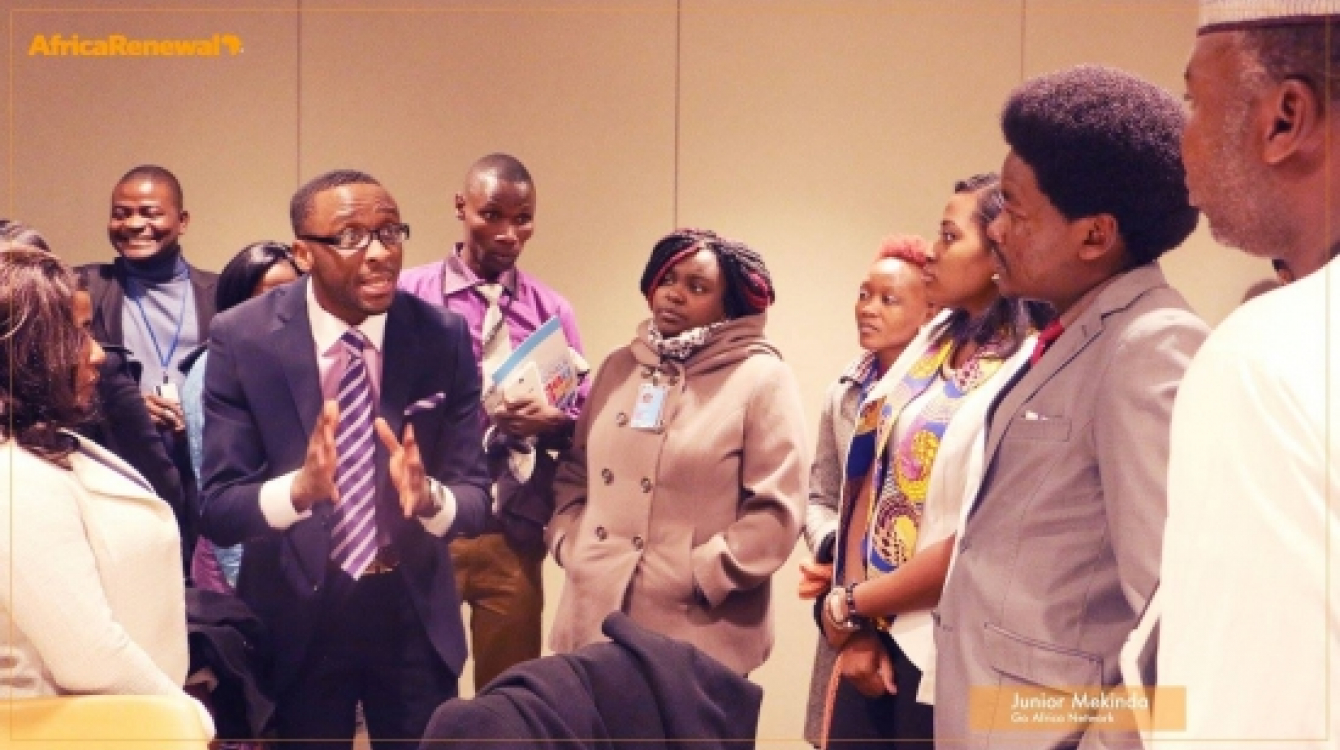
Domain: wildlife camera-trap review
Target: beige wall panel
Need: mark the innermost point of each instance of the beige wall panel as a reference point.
(584, 97)
(225, 125)
(1151, 38)
(810, 131)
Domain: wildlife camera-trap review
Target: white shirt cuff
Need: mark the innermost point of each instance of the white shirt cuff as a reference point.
(440, 523)
(276, 500)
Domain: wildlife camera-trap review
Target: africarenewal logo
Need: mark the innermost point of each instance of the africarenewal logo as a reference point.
(120, 45)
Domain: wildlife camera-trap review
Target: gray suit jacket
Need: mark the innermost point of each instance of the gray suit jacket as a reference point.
(1060, 551)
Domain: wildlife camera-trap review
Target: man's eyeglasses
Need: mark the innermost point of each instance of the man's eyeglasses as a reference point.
(355, 239)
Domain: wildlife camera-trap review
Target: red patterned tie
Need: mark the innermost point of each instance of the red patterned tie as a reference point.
(1049, 334)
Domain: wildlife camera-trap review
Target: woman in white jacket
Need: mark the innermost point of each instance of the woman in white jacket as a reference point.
(90, 576)
(914, 463)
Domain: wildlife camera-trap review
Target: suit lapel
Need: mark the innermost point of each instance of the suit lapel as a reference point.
(108, 295)
(1031, 379)
(295, 348)
(1119, 295)
(203, 289)
(296, 351)
(397, 348)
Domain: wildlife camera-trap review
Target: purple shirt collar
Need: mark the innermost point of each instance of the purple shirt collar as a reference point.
(456, 275)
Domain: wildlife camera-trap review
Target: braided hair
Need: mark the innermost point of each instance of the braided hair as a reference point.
(748, 289)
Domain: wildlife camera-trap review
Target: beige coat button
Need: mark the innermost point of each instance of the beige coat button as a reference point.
(607, 475)
(601, 534)
(638, 544)
(646, 484)
(621, 419)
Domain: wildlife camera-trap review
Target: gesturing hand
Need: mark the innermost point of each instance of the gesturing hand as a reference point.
(407, 472)
(865, 662)
(815, 579)
(315, 481)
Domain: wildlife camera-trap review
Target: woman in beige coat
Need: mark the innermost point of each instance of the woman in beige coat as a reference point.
(686, 483)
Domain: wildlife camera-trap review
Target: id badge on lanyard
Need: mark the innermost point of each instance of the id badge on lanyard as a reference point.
(648, 411)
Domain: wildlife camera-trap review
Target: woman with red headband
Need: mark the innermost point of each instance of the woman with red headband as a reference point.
(686, 483)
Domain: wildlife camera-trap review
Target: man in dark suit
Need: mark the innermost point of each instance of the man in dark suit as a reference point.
(158, 307)
(360, 607)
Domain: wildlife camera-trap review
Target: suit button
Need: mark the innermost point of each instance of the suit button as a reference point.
(621, 419)
(646, 484)
(607, 475)
(601, 533)
(638, 544)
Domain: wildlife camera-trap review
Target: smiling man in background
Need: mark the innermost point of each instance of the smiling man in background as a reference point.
(156, 305)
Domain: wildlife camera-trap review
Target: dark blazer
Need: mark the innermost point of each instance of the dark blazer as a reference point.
(640, 690)
(124, 428)
(106, 288)
(262, 399)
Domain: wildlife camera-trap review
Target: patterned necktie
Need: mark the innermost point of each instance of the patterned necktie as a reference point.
(497, 343)
(354, 535)
(1049, 334)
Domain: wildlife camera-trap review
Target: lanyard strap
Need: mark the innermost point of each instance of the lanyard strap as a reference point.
(176, 335)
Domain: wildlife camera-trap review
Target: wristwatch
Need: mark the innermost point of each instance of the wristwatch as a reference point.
(437, 495)
(840, 606)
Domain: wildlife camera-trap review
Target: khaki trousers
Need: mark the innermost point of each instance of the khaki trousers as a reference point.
(504, 590)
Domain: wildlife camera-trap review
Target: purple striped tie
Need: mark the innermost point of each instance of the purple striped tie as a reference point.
(354, 536)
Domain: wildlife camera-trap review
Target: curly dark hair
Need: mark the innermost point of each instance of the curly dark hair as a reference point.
(1013, 316)
(1102, 141)
(41, 350)
(748, 284)
(238, 279)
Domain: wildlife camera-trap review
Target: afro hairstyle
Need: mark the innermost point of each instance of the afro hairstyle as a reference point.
(1102, 141)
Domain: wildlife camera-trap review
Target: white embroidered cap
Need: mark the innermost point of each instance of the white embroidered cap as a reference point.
(1225, 15)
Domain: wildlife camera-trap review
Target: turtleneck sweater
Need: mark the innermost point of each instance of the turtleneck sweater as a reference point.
(159, 315)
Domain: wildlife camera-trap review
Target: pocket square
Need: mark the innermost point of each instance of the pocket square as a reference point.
(424, 404)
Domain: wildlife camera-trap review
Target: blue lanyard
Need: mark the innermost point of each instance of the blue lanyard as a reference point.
(176, 336)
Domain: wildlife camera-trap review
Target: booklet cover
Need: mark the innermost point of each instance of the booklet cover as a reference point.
(544, 362)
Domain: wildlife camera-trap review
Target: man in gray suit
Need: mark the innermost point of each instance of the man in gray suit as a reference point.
(1060, 550)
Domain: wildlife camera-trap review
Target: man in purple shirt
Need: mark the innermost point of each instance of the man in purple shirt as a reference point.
(498, 573)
